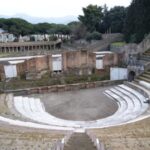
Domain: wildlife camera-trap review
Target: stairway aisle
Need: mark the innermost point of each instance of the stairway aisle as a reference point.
(80, 141)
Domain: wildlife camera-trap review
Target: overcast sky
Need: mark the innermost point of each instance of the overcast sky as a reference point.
(52, 8)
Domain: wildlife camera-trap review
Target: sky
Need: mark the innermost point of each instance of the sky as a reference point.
(52, 8)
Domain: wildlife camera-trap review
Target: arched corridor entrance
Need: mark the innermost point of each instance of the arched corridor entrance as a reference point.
(131, 76)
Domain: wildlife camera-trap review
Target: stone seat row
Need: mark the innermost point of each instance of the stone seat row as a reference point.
(125, 137)
(23, 138)
(130, 103)
(144, 79)
(135, 135)
(29, 113)
(32, 112)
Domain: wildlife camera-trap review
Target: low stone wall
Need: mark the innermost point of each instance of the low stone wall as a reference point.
(66, 87)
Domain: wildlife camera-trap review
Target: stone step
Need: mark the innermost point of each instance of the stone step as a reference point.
(144, 79)
(146, 75)
(135, 85)
(79, 141)
(147, 72)
(145, 57)
(133, 97)
(146, 54)
(145, 84)
(136, 80)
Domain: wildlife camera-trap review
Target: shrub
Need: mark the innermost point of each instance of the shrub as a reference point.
(53, 38)
(93, 36)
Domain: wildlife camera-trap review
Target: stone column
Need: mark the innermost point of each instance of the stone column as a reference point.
(5, 50)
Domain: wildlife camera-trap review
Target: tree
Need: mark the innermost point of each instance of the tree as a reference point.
(92, 17)
(78, 30)
(117, 17)
(62, 29)
(137, 23)
(93, 36)
(113, 19)
(42, 28)
(105, 23)
(21, 27)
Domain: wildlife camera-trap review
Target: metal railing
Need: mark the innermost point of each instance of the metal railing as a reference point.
(99, 145)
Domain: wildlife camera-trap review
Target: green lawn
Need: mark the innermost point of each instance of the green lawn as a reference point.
(118, 44)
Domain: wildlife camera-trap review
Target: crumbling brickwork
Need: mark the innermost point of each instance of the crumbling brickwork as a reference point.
(80, 62)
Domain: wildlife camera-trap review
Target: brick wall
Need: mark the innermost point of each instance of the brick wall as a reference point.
(110, 60)
(78, 61)
(74, 62)
(37, 64)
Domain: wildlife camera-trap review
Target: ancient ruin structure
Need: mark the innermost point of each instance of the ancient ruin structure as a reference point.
(79, 62)
(28, 46)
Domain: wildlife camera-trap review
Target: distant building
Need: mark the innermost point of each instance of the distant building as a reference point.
(27, 46)
(1, 30)
(6, 37)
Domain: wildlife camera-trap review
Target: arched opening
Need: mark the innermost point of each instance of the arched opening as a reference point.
(131, 76)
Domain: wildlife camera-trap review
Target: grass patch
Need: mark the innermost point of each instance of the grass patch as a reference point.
(118, 44)
(47, 80)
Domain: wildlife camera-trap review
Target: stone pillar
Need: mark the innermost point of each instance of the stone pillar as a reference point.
(48, 47)
(12, 49)
(23, 48)
(30, 47)
(17, 49)
(5, 50)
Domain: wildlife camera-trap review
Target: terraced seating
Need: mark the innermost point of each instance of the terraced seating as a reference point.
(16, 133)
(145, 84)
(139, 88)
(134, 136)
(131, 104)
(28, 115)
(147, 53)
(144, 79)
(33, 109)
(7, 108)
(136, 133)
(21, 138)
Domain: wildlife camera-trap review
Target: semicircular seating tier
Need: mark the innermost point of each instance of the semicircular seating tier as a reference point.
(23, 138)
(130, 106)
(28, 111)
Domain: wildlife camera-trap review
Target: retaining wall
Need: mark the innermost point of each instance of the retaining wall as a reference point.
(66, 87)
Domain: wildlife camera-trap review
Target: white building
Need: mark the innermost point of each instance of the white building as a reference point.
(6, 37)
